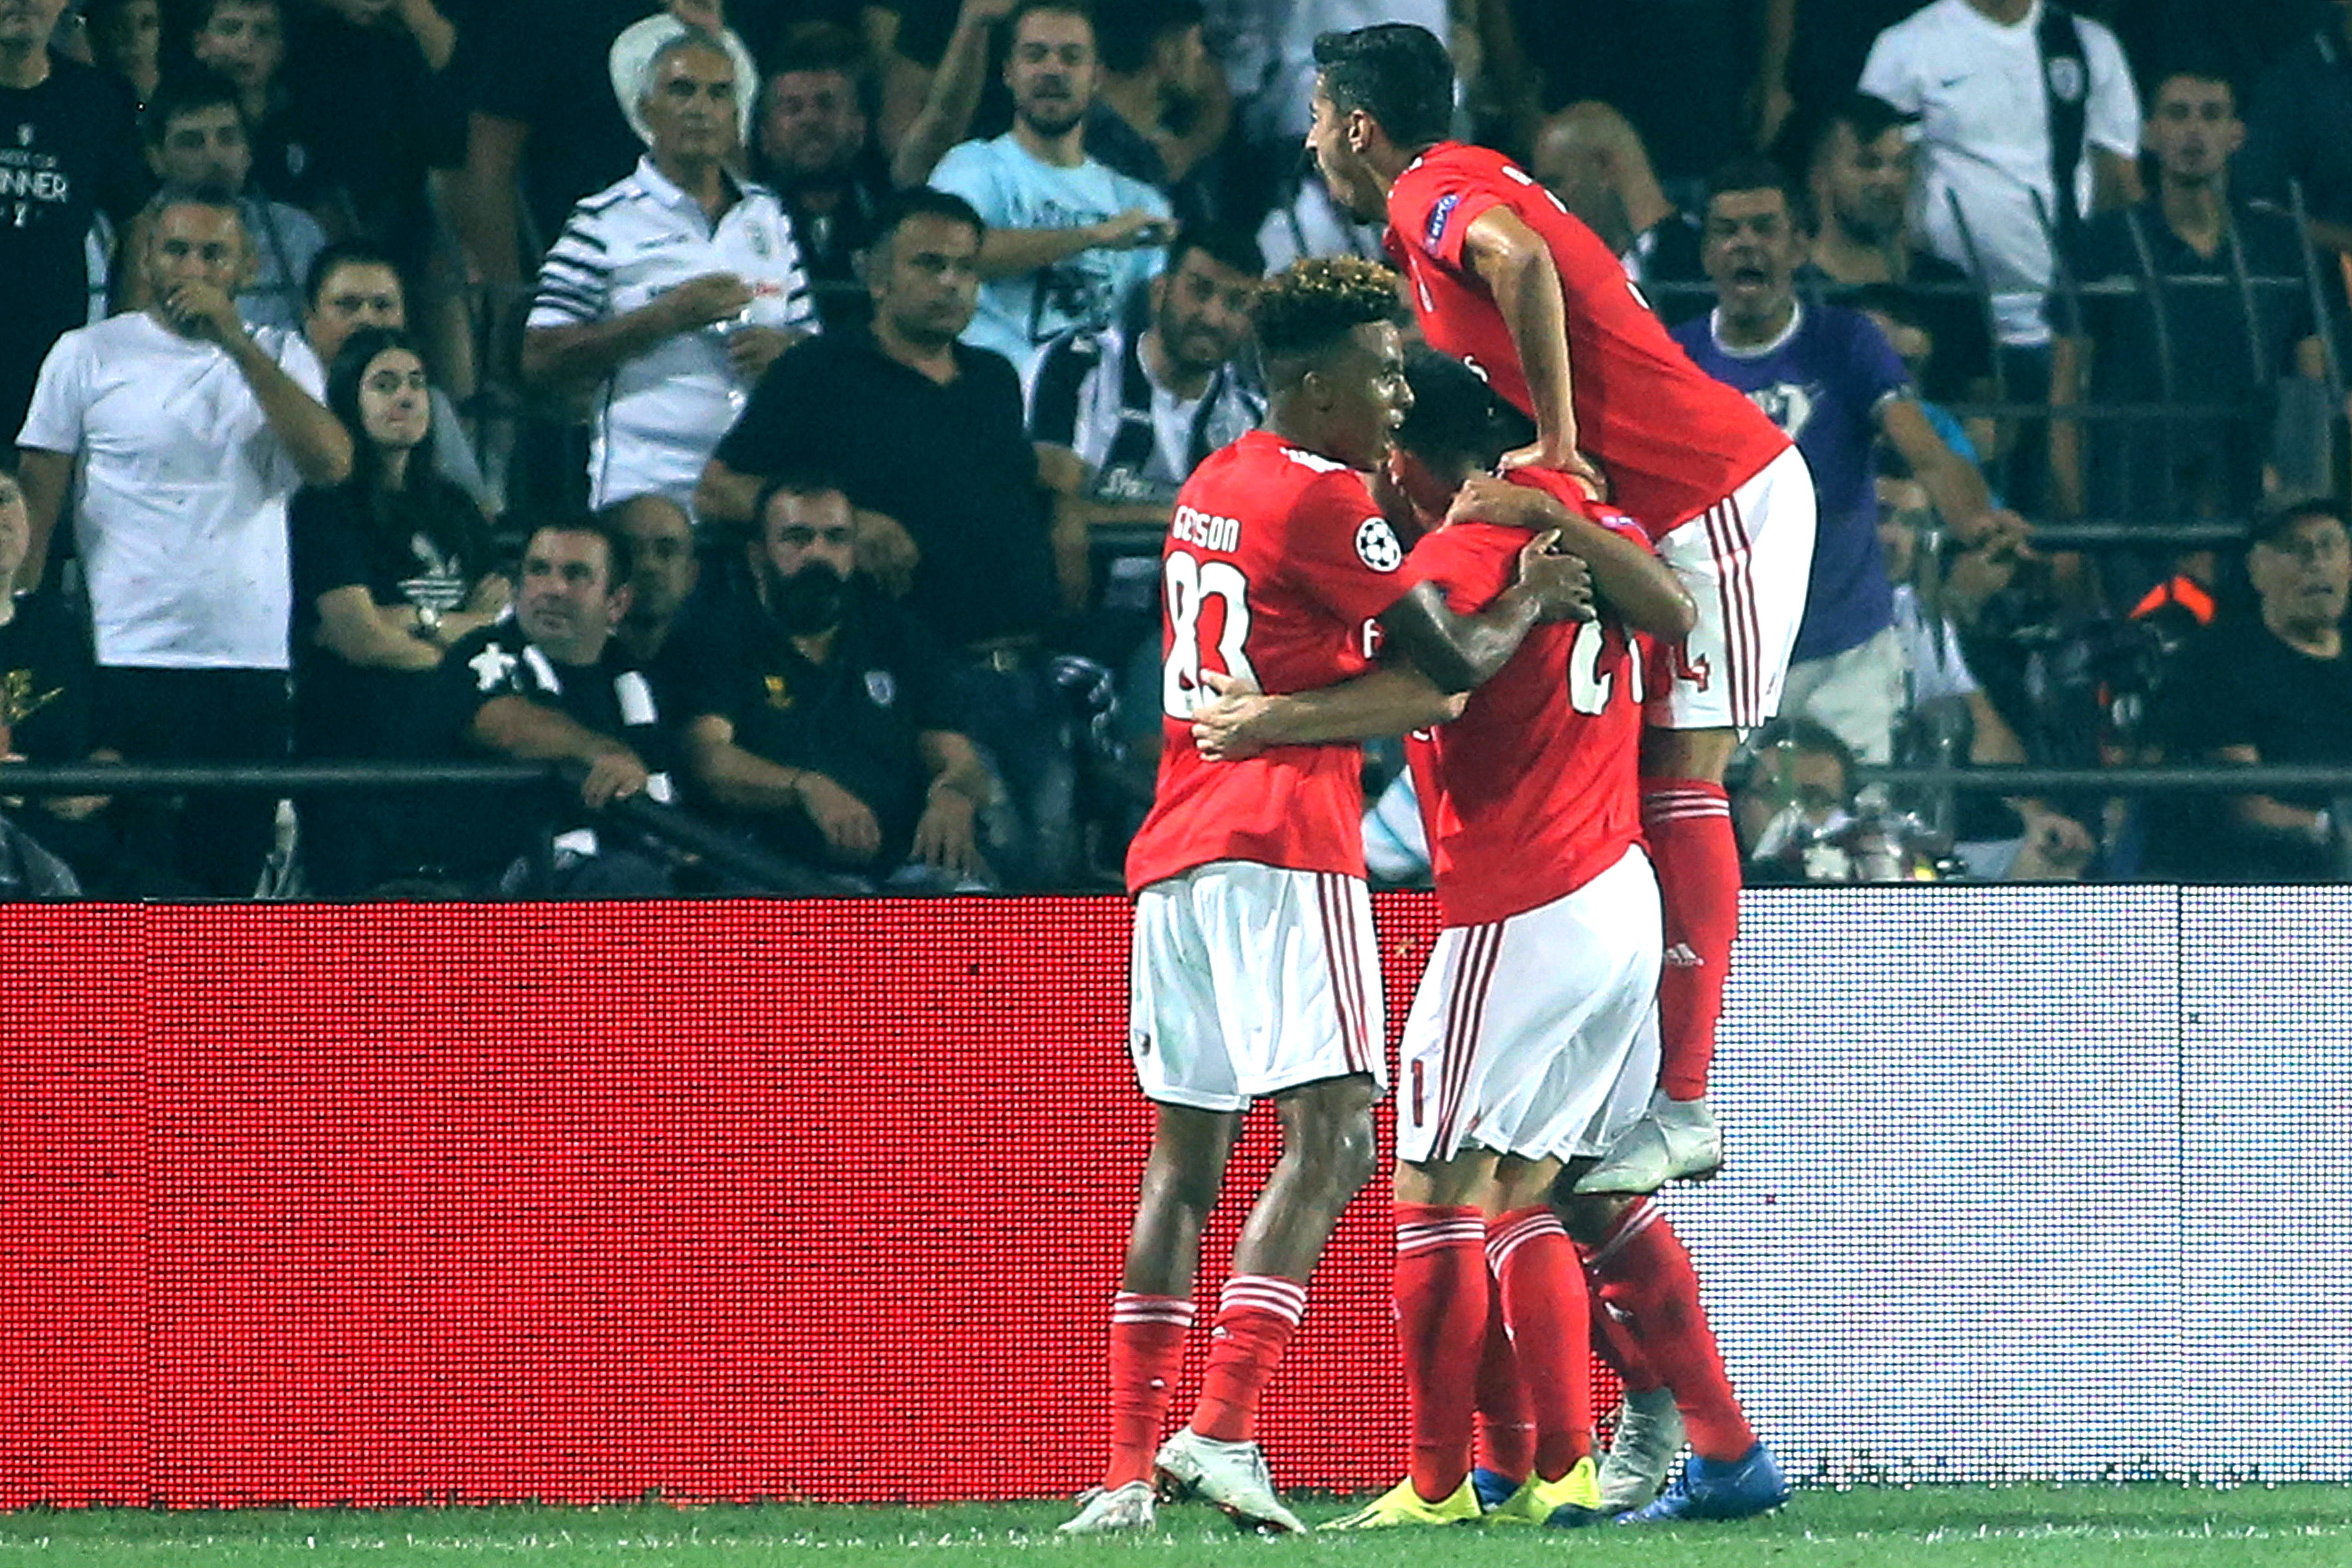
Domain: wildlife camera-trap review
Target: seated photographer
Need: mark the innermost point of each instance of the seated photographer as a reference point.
(822, 727)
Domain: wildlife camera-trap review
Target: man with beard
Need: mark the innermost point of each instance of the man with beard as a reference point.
(1829, 378)
(925, 435)
(1068, 238)
(1861, 168)
(824, 728)
(551, 685)
(816, 154)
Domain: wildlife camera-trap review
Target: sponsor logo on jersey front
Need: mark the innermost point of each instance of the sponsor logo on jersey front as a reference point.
(1376, 546)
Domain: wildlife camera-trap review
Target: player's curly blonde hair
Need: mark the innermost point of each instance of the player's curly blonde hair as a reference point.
(1312, 303)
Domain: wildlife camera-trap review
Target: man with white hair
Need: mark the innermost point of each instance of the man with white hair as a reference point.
(670, 293)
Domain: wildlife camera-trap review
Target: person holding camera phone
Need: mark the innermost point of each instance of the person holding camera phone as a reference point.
(1068, 240)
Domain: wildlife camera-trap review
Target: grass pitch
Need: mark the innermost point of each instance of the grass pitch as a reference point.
(1955, 1526)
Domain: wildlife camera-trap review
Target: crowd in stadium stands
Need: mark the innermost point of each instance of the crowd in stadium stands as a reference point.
(772, 409)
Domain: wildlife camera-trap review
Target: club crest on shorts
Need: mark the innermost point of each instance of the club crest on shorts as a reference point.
(1376, 546)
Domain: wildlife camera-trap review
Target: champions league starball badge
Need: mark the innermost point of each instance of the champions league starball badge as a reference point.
(1376, 546)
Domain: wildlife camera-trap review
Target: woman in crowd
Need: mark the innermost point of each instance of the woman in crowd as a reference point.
(390, 568)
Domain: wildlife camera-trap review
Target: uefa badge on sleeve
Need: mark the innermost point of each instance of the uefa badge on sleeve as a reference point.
(1376, 546)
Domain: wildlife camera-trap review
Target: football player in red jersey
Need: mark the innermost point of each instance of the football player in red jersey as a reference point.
(1255, 973)
(1529, 1044)
(1502, 277)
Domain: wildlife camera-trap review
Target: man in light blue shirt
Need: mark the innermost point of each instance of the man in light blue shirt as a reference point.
(1068, 239)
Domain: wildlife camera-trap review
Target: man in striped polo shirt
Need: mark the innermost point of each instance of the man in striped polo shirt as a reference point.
(671, 292)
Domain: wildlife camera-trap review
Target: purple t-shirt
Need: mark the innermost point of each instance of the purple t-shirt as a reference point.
(1823, 383)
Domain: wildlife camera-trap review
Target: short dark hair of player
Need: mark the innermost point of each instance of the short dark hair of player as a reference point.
(794, 481)
(1127, 33)
(1397, 73)
(1753, 171)
(1228, 245)
(620, 550)
(345, 253)
(1310, 306)
(188, 90)
(1866, 114)
(2270, 527)
(925, 201)
(1457, 419)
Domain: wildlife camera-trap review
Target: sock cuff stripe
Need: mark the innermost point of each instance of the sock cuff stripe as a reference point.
(1263, 1293)
(1468, 1224)
(1683, 789)
(1684, 811)
(1639, 1218)
(1450, 1241)
(1127, 1308)
(1504, 1239)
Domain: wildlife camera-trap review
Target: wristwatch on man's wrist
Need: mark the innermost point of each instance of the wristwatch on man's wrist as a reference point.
(428, 622)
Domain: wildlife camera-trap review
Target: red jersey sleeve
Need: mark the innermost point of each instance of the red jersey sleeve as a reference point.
(1470, 563)
(1440, 209)
(1340, 551)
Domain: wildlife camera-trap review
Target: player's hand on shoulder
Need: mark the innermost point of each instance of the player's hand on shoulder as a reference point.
(1563, 457)
(847, 823)
(1489, 497)
(1560, 584)
(1233, 726)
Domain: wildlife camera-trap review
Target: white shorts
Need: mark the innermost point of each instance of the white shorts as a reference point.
(1629, 1099)
(1521, 1029)
(1246, 980)
(1746, 561)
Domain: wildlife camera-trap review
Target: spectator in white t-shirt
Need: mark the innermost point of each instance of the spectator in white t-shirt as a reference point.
(1068, 240)
(189, 434)
(671, 292)
(1978, 75)
(1982, 76)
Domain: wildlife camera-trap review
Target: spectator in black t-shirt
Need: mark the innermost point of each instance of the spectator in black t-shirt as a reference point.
(2190, 333)
(825, 724)
(2300, 126)
(391, 567)
(72, 154)
(44, 707)
(245, 40)
(1862, 168)
(352, 285)
(2273, 685)
(927, 435)
(372, 89)
(550, 685)
(816, 153)
(126, 39)
(544, 123)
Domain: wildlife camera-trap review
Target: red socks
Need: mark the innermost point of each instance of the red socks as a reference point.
(1257, 1315)
(1543, 1292)
(1146, 1351)
(1507, 1421)
(1688, 824)
(1442, 1305)
(1647, 1283)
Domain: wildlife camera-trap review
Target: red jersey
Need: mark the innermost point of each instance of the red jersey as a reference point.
(1277, 561)
(1672, 440)
(1531, 792)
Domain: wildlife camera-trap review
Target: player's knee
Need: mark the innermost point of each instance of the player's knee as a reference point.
(1341, 1146)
